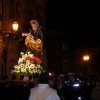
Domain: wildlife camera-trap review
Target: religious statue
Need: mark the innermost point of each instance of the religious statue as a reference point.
(34, 39)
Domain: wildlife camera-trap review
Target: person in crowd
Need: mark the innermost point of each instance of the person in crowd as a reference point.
(43, 91)
(60, 83)
(51, 83)
(35, 80)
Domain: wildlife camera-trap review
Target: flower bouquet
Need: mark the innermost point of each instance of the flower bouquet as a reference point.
(28, 65)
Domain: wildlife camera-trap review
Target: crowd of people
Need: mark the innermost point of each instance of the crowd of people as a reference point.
(56, 87)
(71, 87)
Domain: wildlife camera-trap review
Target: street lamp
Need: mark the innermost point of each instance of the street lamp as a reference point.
(15, 26)
(86, 57)
(87, 69)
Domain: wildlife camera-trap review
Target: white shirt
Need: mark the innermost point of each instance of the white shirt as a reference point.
(41, 90)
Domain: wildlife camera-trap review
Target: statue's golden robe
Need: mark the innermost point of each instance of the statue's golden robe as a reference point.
(34, 44)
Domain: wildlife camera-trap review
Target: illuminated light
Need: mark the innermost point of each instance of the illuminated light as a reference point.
(76, 85)
(15, 26)
(50, 74)
(79, 98)
(86, 57)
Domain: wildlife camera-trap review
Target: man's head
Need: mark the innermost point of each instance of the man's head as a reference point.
(36, 80)
(43, 78)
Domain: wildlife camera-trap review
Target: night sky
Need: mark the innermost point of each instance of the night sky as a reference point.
(79, 20)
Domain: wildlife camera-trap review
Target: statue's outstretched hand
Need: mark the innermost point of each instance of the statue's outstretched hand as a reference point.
(25, 34)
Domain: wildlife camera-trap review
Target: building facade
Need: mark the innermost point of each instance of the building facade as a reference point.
(10, 44)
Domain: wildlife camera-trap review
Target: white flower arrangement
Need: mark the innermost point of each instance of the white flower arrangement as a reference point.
(28, 64)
